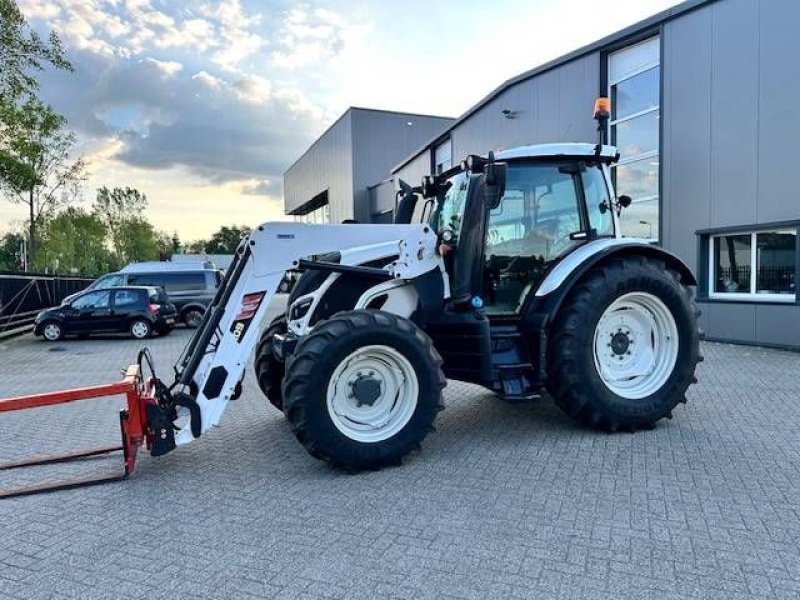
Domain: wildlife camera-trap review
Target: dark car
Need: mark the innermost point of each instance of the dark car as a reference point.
(139, 311)
(191, 288)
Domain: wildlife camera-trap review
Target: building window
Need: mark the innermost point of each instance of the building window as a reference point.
(634, 89)
(760, 265)
(318, 216)
(443, 157)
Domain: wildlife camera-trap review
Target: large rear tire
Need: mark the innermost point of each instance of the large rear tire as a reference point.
(624, 346)
(269, 370)
(362, 389)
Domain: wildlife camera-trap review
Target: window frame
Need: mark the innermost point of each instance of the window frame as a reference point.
(650, 154)
(751, 295)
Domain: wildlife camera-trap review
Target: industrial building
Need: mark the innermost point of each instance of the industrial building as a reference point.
(705, 114)
(328, 183)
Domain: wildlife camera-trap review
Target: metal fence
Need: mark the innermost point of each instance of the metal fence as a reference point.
(23, 295)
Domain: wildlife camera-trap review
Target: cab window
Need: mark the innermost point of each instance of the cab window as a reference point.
(450, 210)
(99, 299)
(598, 201)
(529, 229)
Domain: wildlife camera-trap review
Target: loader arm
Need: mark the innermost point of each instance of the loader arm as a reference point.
(215, 357)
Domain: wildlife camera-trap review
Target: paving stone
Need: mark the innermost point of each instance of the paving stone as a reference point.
(503, 501)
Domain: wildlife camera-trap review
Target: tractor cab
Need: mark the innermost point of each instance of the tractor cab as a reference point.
(504, 221)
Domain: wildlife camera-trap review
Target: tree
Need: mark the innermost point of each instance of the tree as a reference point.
(10, 245)
(136, 240)
(37, 166)
(226, 240)
(197, 247)
(74, 241)
(22, 50)
(116, 208)
(167, 244)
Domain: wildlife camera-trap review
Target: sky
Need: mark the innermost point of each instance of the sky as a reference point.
(203, 105)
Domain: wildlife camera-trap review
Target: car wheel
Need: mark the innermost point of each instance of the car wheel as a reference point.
(193, 317)
(140, 329)
(52, 331)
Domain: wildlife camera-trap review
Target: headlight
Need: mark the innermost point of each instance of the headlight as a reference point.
(39, 317)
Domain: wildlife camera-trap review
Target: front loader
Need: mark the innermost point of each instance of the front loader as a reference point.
(516, 278)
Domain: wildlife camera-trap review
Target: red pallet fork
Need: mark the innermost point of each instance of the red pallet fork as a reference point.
(134, 428)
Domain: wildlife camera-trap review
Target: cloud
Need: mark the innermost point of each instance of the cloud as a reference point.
(208, 80)
(265, 187)
(253, 89)
(309, 36)
(167, 68)
(187, 89)
(237, 36)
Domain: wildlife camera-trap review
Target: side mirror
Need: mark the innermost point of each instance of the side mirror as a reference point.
(624, 201)
(495, 181)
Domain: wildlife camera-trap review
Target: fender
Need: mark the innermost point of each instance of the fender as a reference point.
(564, 275)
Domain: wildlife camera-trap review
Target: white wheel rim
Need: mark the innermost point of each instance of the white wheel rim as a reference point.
(636, 345)
(52, 332)
(194, 318)
(396, 399)
(139, 329)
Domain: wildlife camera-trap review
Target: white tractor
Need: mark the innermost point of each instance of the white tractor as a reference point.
(517, 279)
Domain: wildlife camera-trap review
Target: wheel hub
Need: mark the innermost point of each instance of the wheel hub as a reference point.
(620, 342)
(366, 390)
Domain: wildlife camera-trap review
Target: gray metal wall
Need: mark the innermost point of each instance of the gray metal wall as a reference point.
(381, 198)
(381, 140)
(555, 106)
(326, 165)
(731, 123)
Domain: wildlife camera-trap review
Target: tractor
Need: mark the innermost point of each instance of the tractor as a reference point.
(516, 278)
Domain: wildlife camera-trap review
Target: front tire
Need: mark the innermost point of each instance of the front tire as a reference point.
(362, 389)
(269, 370)
(624, 346)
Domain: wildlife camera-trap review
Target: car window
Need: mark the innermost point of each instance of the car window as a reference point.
(123, 298)
(158, 296)
(101, 299)
(172, 282)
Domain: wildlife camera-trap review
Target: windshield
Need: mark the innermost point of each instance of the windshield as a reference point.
(450, 209)
(107, 281)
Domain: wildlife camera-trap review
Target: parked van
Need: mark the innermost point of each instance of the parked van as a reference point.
(190, 286)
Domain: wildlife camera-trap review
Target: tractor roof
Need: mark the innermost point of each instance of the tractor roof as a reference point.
(553, 150)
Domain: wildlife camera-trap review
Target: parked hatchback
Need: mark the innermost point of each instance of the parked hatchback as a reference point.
(139, 311)
(190, 287)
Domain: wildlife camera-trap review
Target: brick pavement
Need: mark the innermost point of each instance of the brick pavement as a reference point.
(502, 502)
